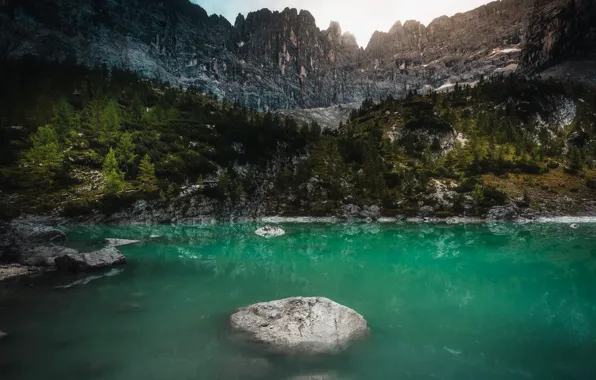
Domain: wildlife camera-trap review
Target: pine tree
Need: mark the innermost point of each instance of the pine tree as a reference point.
(147, 179)
(45, 157)
(63, 118)
(113, 176)
(110, 123)
(125, 150)
(137, 110)
(92, 118)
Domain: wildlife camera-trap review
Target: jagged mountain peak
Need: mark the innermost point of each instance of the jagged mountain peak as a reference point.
(267, 59)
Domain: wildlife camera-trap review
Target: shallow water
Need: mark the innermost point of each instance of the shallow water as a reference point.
(503, 301)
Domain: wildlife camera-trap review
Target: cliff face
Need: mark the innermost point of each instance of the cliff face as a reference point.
(268, 60)
(559, 30)
(496, 24)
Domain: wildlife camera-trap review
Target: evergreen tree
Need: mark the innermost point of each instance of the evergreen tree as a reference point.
(575, 159)
(113, 176)
(63, 118)
(44, 159)
(110, 123)
(137, 110)
(92, 118)
(125, 150)
(147, 179)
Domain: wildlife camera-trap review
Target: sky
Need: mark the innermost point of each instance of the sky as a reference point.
(361, 18)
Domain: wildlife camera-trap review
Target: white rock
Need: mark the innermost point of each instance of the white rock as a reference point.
(300, 325)
(112, 242)
(270, 231)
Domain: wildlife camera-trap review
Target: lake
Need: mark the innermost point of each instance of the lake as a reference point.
(465, 301)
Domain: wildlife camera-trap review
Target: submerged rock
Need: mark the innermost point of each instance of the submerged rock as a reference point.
(84, 262)
(2, 334)
(242, 367)
(300, 325)
(270, 231)
(112, 242)
(86, 280)
(15, 271)
(316, 376)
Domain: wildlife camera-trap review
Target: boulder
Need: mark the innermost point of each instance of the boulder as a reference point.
(502, 213)
(10, 249)
(349, 211)
(300, 325)
(38, 234)
(112, 242)
(44, 256)
(270, 231)
(372, 212)
(85, 262)
(426, 211)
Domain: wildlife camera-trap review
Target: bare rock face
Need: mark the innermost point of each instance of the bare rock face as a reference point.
(300, 325)
(559, 28)
(266, 60)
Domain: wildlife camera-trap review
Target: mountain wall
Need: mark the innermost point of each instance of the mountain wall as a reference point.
(561, 41)
(266, 60)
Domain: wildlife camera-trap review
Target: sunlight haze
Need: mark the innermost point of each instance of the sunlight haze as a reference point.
(361, 18)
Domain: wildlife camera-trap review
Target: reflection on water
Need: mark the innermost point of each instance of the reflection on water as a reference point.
(480, 301)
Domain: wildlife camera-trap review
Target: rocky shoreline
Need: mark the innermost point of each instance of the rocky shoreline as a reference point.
(28, 250)
(30, 246)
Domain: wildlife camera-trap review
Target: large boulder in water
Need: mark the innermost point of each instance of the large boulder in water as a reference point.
(300, 325)
(85, 262)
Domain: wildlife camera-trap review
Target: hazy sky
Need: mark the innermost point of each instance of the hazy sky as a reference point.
(360, 17)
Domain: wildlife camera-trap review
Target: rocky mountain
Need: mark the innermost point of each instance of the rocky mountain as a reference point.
(561, 40)
(468, 44)
(267, 60)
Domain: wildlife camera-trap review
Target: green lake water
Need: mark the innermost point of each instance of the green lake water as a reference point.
(503, 301)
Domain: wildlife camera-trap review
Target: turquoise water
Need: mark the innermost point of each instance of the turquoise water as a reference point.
(443, 302)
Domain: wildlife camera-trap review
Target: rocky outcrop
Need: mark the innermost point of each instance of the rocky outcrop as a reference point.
(15, 238)
(300, 325)
(559, 29)
(453, 40)
(33, 250)
(351, 212)
(561, 41)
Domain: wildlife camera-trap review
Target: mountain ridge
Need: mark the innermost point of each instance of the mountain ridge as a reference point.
(273, 60)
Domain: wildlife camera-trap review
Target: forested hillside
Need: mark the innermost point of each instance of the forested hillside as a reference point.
(79, 141)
